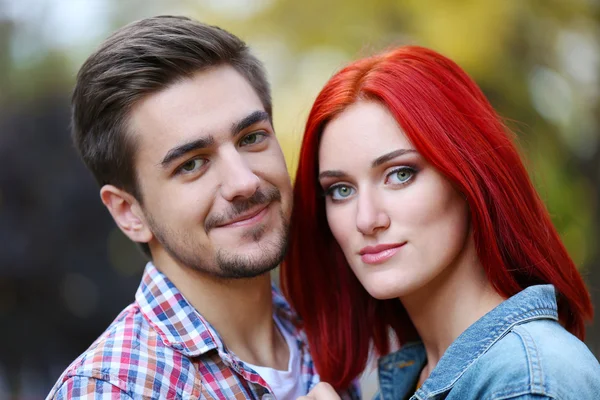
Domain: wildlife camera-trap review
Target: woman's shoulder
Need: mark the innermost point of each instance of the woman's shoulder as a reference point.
(544, 344)
(537, 357)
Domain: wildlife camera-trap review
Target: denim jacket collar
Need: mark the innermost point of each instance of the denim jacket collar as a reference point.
(534, 302)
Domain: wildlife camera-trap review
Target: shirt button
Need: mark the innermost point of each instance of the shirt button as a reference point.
(268, 396)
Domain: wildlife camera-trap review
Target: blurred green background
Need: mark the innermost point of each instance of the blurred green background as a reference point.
(66, 271)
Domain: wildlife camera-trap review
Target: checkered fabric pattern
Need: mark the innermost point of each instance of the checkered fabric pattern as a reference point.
(160, 347)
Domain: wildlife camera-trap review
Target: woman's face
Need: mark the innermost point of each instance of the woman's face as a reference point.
(399, 222)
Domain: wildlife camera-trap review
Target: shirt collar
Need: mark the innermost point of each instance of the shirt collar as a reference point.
(534, 302)
(178, 323)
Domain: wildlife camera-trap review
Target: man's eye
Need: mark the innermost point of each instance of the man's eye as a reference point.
(253, 138)
(192, 165)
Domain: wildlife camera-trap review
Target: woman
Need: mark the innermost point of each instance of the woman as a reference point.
(414, 214)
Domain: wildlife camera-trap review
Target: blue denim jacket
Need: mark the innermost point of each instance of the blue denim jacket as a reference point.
(516, 351)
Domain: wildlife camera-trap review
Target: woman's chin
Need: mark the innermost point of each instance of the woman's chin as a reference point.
(384, 290)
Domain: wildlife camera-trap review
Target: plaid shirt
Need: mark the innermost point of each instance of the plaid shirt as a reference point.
(160, 347)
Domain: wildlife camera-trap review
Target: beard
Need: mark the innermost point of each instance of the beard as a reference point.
(272, 252)
(227, 264)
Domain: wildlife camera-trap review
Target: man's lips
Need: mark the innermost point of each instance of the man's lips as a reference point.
(380, 253)
(247, 218)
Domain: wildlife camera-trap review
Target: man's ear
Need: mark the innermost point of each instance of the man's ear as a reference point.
(127, 213)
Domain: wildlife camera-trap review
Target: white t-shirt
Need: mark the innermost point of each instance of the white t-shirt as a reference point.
(286, 385)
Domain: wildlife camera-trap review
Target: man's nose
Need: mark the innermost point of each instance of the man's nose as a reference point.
(238, 179)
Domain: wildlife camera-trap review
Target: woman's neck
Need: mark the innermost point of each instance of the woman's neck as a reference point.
(450, 303)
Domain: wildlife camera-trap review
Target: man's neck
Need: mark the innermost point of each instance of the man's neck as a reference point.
(240, 310)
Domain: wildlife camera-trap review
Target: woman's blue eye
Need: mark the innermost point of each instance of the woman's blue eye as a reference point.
(340, 192)
(401, 175)
(192, 165)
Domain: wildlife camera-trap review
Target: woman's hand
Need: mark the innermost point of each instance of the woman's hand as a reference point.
(323, 391)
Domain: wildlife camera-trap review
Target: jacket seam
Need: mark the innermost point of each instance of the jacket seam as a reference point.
(533, 359)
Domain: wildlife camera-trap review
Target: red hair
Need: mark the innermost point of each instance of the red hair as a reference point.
(451, 124)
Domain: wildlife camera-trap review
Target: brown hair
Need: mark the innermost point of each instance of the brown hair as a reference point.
(139, 59)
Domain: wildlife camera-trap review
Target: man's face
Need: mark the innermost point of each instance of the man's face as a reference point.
(216, 192)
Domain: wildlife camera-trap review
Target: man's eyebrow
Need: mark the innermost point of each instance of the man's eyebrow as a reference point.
(249, 120)
(202, 143)
(389, 156)
(332, 174)
(180, 150)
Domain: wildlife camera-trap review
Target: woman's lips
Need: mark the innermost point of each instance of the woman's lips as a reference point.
(380, 253)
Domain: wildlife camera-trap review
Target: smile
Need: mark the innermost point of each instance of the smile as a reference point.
(380, 253)
(249, 218)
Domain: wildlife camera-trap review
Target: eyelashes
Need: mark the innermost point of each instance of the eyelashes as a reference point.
(191, 166)
(197, 163)
(401, 175)
(339, 191)
(396, 177)
(253, 138)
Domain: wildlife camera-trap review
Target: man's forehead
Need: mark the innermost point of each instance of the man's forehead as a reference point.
(223, 91)
(194, 107)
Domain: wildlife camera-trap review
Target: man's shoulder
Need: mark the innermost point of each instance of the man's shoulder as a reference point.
(130, 357)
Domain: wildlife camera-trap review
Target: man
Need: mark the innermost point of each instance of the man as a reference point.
(173, 117)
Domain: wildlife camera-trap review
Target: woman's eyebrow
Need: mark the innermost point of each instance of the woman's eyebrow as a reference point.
(389, 156)
(332, 174)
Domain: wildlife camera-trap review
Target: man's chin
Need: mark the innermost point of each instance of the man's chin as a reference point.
(245, 266)
(251, 260)
(256, 253)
